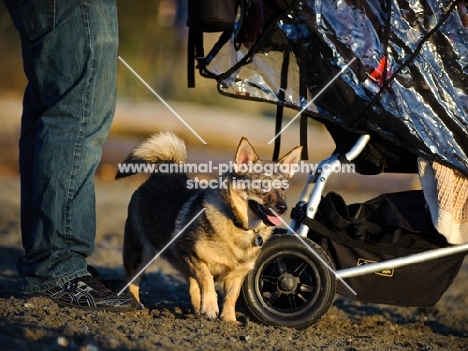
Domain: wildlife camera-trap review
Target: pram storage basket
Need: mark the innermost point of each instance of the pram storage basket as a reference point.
(384, 228)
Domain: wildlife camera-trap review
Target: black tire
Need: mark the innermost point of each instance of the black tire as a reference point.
(289, 286)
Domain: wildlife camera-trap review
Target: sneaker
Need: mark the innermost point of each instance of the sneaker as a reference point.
(87, 293)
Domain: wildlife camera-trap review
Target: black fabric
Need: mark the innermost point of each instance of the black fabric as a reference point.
(389, 226)
(379, 155)
(206, 16)
(211, 15)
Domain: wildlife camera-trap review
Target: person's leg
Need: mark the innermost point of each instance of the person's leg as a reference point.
(70, 58)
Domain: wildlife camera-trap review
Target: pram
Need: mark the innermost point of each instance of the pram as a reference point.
(389, 80)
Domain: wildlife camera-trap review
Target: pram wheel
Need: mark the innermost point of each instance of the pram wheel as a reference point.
(289, 286)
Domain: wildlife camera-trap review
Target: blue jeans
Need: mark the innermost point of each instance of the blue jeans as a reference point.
(70, 59)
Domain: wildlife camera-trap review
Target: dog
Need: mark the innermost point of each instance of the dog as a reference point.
(223, 242)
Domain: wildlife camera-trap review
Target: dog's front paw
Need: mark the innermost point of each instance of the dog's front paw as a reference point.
(210, 307)
(211, 312)
(230, 317)
(232, 321)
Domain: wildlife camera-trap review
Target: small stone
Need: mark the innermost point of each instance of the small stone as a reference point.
(62, 341)
(244, 338)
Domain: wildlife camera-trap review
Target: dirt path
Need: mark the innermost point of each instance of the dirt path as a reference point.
(168, 324)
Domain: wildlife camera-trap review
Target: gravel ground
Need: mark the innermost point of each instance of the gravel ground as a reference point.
(168, 323)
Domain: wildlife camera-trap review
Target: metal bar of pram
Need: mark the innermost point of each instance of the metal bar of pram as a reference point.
(357, 147)
(324, 173)
(400, 262)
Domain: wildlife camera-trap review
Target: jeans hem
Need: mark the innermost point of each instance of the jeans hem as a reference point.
(53, 282)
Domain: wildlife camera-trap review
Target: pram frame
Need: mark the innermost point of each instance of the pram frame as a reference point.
(312, 194)
(259, 306)
(312, 257)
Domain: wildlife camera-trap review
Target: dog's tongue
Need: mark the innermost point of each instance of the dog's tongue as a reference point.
(274, 219)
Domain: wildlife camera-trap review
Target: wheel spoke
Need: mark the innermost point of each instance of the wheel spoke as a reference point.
(292, 301)
(281, 265)
(301, 297)
(300, 269)
(269, 280)
(274, 297)
(306, 288)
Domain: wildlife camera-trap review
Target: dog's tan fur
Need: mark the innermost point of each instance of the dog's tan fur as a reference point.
(219, 246)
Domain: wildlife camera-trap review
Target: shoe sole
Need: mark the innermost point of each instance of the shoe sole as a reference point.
(86, 308)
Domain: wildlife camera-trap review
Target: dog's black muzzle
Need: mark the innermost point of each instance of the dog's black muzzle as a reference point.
(269, 214)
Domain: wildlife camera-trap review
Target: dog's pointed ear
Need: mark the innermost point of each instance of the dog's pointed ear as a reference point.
(245, 154)
(292, 159)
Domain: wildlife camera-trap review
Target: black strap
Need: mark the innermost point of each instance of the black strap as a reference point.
(278, 124)
(303, 136)
(280, 108)
(317, 228)
(194, 51)
(303, 94)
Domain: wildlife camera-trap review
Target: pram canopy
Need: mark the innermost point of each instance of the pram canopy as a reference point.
(396, 70)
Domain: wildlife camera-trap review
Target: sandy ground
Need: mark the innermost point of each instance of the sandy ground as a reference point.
(168, 323)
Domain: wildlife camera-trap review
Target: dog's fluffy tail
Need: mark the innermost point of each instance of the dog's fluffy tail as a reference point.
(164, 147)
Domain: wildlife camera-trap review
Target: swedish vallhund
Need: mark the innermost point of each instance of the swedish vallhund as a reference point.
(223, 242)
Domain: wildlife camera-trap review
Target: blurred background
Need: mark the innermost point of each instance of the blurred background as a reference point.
(153, 40)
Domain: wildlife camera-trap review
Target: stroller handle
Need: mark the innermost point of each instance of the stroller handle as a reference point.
(357, 147)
